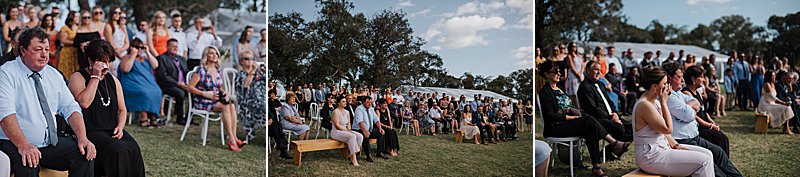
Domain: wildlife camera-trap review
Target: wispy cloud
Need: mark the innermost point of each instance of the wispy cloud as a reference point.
(460, 32)
(693, 2)
(405, 3)
(474, 7)
(523, 6)
(422, 12)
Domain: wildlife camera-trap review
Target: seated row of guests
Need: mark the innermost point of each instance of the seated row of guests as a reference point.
(562, 119)
(686, 130)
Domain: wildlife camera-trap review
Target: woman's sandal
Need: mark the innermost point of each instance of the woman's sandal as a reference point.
(599, 168)
(153, 124)
(144, 123)
(619, 152)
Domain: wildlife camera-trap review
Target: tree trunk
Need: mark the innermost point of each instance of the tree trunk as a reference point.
(139, 10)
(84, 4)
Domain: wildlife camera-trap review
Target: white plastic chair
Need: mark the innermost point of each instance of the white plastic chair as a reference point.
(170, 101)
(313, 114)
(206, 117)
(228, 75)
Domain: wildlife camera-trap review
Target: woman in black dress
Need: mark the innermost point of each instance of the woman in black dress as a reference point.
(391, 143)
(562, 119)
(84, 34)
(707, 127)
(100, 96)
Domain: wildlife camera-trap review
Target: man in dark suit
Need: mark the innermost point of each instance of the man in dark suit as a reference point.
(593, 98)
(171, 77)
(626, 98)
(782, 90)
(484, 123)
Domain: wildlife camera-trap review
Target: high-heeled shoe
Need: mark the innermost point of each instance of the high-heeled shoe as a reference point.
(233, 147)
(240, 143)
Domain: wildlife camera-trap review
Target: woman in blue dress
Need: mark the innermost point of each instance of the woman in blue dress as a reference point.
(139, 87)
(756, 80)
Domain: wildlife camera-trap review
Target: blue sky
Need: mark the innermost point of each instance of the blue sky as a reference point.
(690, 13)
(491, 37)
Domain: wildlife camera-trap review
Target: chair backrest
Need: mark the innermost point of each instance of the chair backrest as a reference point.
(539, 105)
(228, 75)
(314, 112)
(189, 77)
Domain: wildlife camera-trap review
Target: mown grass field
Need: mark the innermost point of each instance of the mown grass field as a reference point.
(165, 155)
(420, 156)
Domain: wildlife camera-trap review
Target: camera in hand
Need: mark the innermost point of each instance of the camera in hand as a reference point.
(222, 98)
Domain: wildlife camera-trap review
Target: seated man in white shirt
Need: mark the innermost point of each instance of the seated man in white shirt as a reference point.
(31, 94)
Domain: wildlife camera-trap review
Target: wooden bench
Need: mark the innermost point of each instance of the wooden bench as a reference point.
(301, 146)
(51, 173)
(762, 123)
(640, 173)
(460, 136)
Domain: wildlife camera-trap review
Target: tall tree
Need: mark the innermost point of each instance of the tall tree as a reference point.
(787, 40)
(737, 33)
(341, 33)
(291, 46)
(389, 37)
(523, 82)
(657, 32)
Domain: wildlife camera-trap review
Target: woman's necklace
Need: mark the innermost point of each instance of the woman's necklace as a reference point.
(105, 101)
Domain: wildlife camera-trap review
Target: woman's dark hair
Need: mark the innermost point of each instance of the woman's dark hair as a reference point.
(43, 25)
(692, 72)
(382, 101)
(70, 18)
(8, 11)
(768, 74)
(100, 50)
(135, 43)
(547, 66)
(243, 37)
(651, 75)
(111, 15)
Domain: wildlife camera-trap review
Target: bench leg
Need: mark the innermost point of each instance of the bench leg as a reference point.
(344, 152)
(297, 157)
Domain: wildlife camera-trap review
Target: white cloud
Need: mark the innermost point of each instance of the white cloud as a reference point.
(524, 23)
(523, 6)
(524, 52)
(405, 3)
(693, 2)
(422, 12)
(460, 32)
(527, 63)
(475, 8)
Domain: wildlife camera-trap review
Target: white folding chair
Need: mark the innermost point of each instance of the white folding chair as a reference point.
(170, 101)
(567, 141)
(207, 116)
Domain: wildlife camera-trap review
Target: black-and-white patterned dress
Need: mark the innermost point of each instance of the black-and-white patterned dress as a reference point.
(252, 110)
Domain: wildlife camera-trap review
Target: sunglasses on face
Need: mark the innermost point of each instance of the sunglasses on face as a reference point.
(247, 58)
(139, 47)
(86, 17)
(98, 13)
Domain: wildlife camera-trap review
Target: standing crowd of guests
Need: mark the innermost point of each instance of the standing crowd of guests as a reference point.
(357, 114)
(76, 79)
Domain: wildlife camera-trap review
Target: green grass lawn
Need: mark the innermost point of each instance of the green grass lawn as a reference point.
(419, 156)
(773, 154)
(165, 155)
